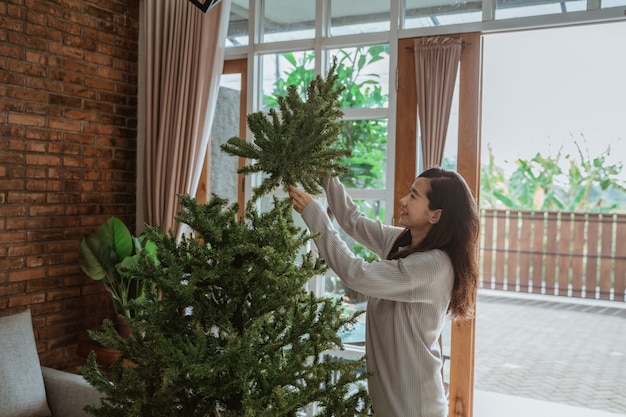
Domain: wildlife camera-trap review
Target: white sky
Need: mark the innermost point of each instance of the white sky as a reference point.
(544, 89)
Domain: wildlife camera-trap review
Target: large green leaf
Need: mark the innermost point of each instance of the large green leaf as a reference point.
(96, 258)
(115, 233)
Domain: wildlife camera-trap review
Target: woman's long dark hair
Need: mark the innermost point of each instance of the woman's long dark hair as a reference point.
(456, 233)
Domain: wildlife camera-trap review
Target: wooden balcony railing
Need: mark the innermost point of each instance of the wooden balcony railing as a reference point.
(567, 254)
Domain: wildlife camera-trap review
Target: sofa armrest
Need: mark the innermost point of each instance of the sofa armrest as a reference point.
(68, 393)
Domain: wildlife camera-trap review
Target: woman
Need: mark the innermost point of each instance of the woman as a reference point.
(428, 270)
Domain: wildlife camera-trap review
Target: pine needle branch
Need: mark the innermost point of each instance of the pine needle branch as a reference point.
(295, 144)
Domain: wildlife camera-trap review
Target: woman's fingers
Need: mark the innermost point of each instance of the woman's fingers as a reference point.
(299, 198)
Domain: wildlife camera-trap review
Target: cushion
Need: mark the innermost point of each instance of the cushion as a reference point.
(22, 392)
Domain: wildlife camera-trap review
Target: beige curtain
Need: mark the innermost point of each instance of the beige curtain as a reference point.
(184, 59)
(436, 65)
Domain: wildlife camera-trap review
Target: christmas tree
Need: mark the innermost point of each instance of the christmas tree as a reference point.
(229, 329)
(295, 145)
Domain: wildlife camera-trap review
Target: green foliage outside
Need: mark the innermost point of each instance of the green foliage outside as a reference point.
(366, 140)
(540, 183)
(589, 184)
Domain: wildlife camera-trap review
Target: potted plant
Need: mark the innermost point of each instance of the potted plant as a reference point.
(110, 255)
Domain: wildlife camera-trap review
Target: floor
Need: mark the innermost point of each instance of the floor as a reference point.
(492, 404)
(545, 356)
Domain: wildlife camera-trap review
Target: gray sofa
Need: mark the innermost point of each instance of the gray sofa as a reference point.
(29, 390)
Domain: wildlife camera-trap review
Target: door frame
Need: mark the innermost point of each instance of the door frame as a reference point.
(461, 387)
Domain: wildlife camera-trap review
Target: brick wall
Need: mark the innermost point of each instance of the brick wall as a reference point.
(68, 116)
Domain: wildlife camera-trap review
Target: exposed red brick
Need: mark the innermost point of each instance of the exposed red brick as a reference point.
(22, 223)
(27, 69)
(26, 299)
(12, 238)
(7, 185)
(46, 210)
(15, 25)
(68, 126)
(39, 285)
(27, 145)
(41, 311)
(44, 84)
(11, 289)
(7, 211)
(79, 162)
(43, 134)
(23, 250)
(26, 120)
(64, 246)
(59, 343)
(61, 294)
(65, 124)
(26, 274)
(42, 159)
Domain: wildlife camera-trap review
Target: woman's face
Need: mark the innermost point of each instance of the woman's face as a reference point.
(414, 211)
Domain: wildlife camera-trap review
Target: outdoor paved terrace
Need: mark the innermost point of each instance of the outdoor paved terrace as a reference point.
(551, 351)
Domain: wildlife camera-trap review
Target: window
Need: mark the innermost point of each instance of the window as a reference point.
(225, 125)
(287, 20)
(278, 71)
(363, 72)
(506, 9)
(419, 14)
(237, 26)
(367, 141)
(368, 17)
(219, 173)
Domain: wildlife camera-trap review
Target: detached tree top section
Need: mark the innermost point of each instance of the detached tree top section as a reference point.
(297, 143)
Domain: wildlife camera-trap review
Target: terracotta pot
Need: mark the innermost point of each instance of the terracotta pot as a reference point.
(104, 356)
(122, 327)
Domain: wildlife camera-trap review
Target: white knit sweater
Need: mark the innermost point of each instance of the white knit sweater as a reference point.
(408, 299)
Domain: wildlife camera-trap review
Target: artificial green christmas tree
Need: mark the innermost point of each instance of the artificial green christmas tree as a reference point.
(295, 144)
(230, 329)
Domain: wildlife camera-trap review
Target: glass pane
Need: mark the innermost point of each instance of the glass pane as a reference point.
(576, 6)
(284, 21)
(612, 3)
(421, 13)
(282, 70)
(364, 71)
(353, 300)
(370, 16)
(367, 140)
(238, 24)
(451, 150)
(446, 349)
(223, 167)
(544, 93)
(576, 120)
(507, 9)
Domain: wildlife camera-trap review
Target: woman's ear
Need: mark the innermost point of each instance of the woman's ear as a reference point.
(435, 215)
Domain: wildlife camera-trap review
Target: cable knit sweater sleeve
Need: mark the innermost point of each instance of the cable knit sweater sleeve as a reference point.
(408, 279)
(372, 234)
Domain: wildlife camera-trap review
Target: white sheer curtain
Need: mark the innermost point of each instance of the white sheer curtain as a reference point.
(436, 66)
(184, 57)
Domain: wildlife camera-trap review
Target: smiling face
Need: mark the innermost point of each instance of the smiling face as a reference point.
(414, 211)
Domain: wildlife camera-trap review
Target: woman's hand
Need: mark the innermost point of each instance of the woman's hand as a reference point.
(299, 198)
